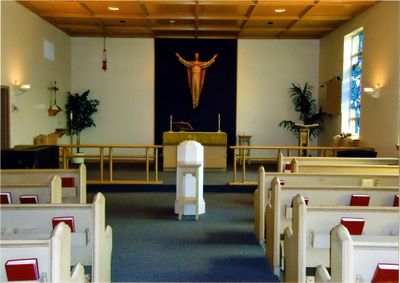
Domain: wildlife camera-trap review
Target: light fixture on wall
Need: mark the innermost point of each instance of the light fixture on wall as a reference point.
(14, 108)
(104, 58)
(374, 92)
(21, 88)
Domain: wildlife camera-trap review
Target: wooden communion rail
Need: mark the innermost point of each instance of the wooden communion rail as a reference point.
(111, 153)
(105, 154)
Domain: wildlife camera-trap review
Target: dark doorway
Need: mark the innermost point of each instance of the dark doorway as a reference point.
(5, 117)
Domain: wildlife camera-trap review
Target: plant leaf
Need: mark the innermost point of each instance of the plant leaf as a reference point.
(306, 105)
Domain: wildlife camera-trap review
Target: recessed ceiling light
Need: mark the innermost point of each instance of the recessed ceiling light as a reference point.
(280, 10)
(172, 22)
(113, 8)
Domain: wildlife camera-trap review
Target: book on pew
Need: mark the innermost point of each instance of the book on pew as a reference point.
(5, 198)
(288, 168)
(305, 200)
(353, 224)
(69, 220)
(29, 199)
(359, 200)
(386, 272)
(67, 182)
(22, 269)
(68, 186)
(396, 200)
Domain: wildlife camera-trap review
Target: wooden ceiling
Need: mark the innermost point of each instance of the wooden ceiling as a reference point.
(199, 19)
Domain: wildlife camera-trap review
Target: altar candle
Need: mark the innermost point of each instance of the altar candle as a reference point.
(219, 121)
(170, 122)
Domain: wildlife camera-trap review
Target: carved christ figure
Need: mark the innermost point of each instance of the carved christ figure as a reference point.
(196, 72)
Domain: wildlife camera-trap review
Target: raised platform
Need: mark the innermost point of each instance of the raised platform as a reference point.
(168, 188)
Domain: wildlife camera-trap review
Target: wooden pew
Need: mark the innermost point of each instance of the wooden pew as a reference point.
(306, 244)
(283, 160)
(53, 255)
(353, 260)
(262, 193)
(38, 177)
(278, 213)
(47, 192)
(92, 240)
(298, 167)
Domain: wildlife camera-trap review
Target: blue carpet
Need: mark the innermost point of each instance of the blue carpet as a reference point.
(151, 245)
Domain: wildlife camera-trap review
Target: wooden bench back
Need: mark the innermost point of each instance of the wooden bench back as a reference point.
(89, 218)
(299, 167)
(29, 177)
(53, 255)
(308, 221)
(352, 260)
(283, 160)
(278, 211)
(47, 192)
(262, 193)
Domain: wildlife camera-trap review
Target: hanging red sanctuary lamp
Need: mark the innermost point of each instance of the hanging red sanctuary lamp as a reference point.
(104, 59)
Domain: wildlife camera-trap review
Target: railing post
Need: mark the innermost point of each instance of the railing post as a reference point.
(110, 161)
(234, 165)
(156, 164)
(243, 165)
(147, 164)
(279, 153)
(101, 164)
(64, 157)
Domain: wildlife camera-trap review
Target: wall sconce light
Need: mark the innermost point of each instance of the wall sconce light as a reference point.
(374, 92)
(14, 108)
(21, 88)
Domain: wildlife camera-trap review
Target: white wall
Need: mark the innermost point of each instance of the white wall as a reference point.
(125, 90)
(379, 126)
(266, 70)
(398, 89)
(22, 39)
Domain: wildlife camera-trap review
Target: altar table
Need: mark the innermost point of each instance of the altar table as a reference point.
(215, 148)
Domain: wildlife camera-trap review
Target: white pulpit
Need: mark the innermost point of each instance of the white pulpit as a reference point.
(189, 178)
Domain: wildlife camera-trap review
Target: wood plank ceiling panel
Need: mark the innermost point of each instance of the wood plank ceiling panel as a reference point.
(199, 18)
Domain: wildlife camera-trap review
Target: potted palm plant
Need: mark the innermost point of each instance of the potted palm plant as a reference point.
(79, 110)
(307, 106)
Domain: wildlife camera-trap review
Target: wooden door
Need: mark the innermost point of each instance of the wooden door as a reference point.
(5, 117)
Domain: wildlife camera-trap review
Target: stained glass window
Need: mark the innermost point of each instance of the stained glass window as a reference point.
(355, 81)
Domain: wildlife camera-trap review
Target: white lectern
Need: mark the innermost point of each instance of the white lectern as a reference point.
(189, 179)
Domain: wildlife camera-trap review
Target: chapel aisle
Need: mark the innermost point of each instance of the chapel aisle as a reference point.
(150, 244)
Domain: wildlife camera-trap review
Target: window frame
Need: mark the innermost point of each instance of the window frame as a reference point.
(347, 118)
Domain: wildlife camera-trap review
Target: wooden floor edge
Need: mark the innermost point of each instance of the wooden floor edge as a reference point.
(242, 183)
(125, 182)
